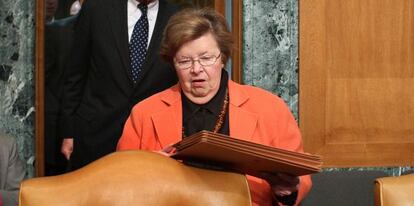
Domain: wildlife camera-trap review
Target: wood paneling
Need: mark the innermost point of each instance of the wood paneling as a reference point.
(237, 32)
(39, 88)
(219, 5)
(357, 80)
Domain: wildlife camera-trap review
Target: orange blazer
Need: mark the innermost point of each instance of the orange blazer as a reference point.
(254, 115)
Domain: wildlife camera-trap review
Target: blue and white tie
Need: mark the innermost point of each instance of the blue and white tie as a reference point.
(138, 43)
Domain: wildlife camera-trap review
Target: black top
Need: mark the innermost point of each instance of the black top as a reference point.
(197, 117)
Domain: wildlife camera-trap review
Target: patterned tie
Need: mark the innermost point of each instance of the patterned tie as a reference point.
(138, 43)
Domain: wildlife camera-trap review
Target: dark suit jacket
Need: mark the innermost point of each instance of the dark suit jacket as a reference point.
(63, 9)
(58, 42)
(99, 91)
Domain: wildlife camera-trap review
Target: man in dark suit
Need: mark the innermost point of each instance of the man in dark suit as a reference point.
(58, 43)
(64, 8)
(99, 89)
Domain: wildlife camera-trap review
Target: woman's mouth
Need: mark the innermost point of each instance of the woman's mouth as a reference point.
(197, 82)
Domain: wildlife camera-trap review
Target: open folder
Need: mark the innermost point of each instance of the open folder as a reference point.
(242, 156)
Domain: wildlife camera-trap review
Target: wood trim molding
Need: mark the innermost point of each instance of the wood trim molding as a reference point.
(237, 30)
(219, 5)
(39, 88)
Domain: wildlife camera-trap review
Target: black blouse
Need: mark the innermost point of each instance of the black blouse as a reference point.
(197, 117)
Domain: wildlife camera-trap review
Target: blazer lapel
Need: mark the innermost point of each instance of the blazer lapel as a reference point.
(119, 25)
(242, 122)
(168, 122)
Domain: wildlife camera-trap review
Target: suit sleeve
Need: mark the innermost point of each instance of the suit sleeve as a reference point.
(76, 71)
(51, 50)
(292, 140)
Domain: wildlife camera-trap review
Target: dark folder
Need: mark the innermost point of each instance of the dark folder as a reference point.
(217, 150)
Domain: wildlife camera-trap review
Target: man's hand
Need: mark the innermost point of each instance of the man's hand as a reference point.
(282, 184)
(67, 147)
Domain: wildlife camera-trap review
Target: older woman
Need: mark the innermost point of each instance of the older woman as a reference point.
(198, 44)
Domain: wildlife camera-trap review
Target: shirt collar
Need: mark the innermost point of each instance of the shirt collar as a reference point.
(214, 105)
(150, 5)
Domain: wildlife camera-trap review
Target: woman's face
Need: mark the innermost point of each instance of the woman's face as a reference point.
(199, 83)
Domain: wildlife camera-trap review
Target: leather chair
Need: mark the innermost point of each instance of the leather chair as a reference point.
(137, 178)
(394, 191)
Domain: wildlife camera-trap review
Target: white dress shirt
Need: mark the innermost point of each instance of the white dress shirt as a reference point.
(75, 8)
(134, 14)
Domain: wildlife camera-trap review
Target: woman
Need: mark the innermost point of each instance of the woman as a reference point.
(198, 44)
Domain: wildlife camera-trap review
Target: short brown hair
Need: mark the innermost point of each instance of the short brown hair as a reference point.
(190, 24)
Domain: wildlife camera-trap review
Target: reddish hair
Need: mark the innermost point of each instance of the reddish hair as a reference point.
(190, 24)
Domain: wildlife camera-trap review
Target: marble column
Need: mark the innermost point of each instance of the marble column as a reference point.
(16, 75)
(270, 47)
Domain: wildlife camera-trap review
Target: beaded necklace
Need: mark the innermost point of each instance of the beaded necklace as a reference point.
(220, 118)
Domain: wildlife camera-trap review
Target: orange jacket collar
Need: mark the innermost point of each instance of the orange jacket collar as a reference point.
(168, 122)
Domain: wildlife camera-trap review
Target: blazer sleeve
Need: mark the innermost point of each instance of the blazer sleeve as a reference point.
(76, 71)
(291, 139)
(15, 174)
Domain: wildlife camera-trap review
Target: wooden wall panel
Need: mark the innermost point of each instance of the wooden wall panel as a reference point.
(356, 68)
(40, 88)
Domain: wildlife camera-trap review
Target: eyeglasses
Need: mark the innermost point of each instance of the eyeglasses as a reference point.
(187, 63)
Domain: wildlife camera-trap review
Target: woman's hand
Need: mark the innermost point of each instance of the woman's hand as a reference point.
(167, 151)
(282, 184)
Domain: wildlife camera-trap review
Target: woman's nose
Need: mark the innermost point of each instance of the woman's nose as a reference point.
(197, 67)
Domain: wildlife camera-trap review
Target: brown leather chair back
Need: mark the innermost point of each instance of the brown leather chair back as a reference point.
(137, 178)
(394, 191)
